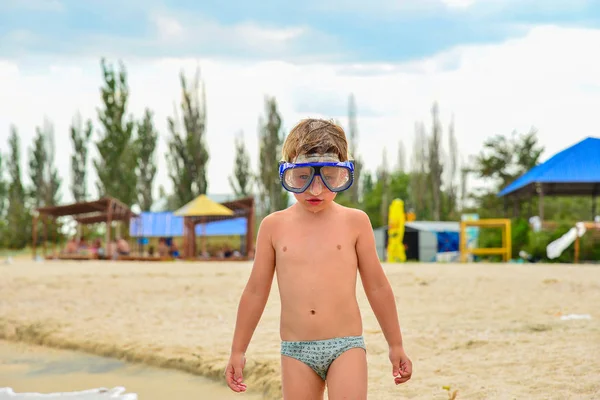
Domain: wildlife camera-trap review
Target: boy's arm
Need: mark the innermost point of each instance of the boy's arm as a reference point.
(375, 282)
(256, 292)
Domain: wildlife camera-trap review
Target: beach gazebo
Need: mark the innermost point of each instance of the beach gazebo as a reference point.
(200, 210)
(574, 171)
(104, 210)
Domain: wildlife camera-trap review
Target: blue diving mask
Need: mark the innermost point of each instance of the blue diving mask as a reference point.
(296, 177)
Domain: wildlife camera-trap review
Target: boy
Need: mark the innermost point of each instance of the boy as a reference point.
(316, 247)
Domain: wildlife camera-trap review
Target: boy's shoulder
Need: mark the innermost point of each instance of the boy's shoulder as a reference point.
(274, 218)
(356, 214)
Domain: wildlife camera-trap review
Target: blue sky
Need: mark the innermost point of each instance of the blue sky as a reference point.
(331, 30)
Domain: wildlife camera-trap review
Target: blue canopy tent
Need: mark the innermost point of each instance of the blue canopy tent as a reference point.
(574, 171)
(167, 224)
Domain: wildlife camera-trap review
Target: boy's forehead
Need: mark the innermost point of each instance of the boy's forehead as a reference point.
(317, 157)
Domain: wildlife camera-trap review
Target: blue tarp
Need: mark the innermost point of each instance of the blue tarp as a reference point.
(579, 164)
(166, 224)
(447, 241)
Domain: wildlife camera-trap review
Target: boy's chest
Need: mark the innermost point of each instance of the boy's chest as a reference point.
(315, 246)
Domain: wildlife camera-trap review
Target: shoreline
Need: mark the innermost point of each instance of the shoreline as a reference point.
(34, 334)
(44, 371)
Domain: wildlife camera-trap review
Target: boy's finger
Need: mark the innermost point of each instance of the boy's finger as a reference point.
(405, 369)
(237, 375)
(395, 370)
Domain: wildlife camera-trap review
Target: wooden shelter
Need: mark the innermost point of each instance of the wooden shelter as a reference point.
(106, 209)
(243, 207)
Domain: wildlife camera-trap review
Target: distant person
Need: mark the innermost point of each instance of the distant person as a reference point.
(71, 246)
(123, 247)
(163, 249)
(174, 250)
(97, 248)
(320, 247)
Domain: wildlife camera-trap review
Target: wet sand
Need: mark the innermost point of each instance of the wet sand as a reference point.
(31, 368)
(489, 331)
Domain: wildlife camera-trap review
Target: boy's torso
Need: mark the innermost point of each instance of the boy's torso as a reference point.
(316, 266)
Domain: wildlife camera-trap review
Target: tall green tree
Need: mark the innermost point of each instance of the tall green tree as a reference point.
(419, 175)
(355, 189)
(505, 158)
(396, 187)
(146, 141)
(452, 187)
(383, 178)
(188, 153)
(80, 137)
(53, 180)
(502, 160)
(241, 181)
(3, 203)
(118, 158)
(17, 214)
(435, 163)
(401, 161)
(272, 195)
(37, 169)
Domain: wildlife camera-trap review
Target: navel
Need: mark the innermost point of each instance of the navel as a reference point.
(339, 246)
(313, 312)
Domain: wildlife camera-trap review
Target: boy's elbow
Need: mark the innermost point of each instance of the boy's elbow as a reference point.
(257, 291)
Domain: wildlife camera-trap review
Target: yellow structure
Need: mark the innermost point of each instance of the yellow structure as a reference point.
(396, 218)
(505, 251)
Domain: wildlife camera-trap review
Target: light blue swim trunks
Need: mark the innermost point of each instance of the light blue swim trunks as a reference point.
(319, 354)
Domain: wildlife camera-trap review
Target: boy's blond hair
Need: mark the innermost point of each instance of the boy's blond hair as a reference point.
(315, 136)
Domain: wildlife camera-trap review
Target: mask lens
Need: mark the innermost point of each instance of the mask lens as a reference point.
(336, 178)
(297, 178)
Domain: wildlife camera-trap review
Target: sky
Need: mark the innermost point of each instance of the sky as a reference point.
(494, 66)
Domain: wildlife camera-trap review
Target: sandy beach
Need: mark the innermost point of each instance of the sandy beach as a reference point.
(490, 331)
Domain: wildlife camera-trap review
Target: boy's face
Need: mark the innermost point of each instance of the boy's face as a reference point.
(317, 196)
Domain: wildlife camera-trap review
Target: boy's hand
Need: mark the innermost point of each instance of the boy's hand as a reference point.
(401, 365)
(233, 372)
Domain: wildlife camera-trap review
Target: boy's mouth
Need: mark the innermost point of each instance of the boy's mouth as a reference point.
(314, 201)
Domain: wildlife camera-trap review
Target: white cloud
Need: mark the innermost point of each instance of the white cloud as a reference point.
(168, 28)
(547, 79)
(181, 32)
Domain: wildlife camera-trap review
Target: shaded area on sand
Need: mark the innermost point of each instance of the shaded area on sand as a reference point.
(29, 368)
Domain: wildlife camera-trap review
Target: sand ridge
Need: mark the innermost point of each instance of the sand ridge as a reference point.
(490, 331)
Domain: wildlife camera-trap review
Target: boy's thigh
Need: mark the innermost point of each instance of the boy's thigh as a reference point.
(347, 376)
(299, 381)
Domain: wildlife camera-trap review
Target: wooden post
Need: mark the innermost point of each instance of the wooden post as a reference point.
(203, 237)
(594, 202)
(577, 249)
(186, 237)
(508, 242)
(250, 221)
(108, 224)
(541, 203)
(463, 242)
(34, 234)
(45, 235)
(55, 235)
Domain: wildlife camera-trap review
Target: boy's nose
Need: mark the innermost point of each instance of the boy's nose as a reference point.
(316, 187)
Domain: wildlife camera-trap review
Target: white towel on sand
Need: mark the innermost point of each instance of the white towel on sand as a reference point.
(117, 393)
